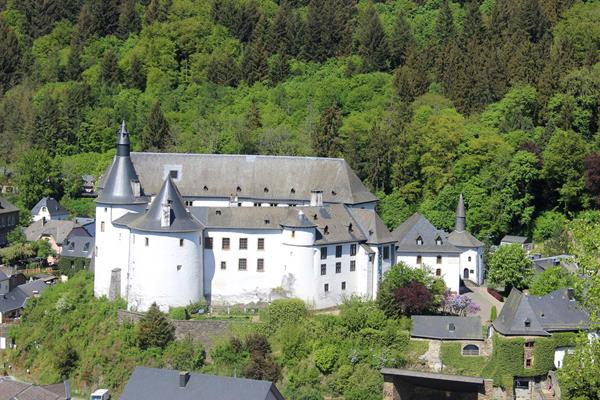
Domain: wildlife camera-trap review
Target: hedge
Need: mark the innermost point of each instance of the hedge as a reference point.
(454, 362)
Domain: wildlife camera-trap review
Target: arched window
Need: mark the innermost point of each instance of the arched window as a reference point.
(419, 260)
(470, 350)
(419, 241)
(438, 241)
(469, 258)
(438, 260)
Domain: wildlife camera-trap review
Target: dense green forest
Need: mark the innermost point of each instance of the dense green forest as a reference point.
(498, 99)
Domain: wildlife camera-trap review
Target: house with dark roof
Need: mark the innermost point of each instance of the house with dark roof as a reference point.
(235, 229)
(12, 303)
(451, 257)
(159, 384)
(11, 389)
(9, 218)
(54, 232)
(77, 252)
(565, 261)
(522, 241)
(50, 209)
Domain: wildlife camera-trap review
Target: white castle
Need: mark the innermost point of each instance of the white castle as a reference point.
(235, 229)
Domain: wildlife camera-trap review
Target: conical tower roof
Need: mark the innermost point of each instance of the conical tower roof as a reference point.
(167, 213)
(461, 217)
(118, 186)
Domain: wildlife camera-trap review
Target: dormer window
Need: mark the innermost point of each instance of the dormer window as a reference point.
(419, 241)
(266, 190)
(333, 192)
(205, 188)
(238, 189)
(326, 230)
(293, 191)
(451, 327)
(438, 241)
(174, 174)
(44, 209)
(527, 323)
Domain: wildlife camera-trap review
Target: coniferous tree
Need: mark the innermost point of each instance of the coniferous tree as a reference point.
(313, 49)
(157, 135)
(137, 75)
(379, 158)
(129, 20)
(42, 15)
(444, 38)
(248, 135)
(10, 56)
(326, 138)
(254, 59)
(153, 12)
(73, 68)
(85, 25)
(47, 125)
(223, 70)
(401, 42)
(154, 329)
(110, 67)
(105, 16)
(282, 38)
(279, 68)
(373, 46)
(247, 17)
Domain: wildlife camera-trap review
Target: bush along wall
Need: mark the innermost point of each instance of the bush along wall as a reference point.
(508, 357)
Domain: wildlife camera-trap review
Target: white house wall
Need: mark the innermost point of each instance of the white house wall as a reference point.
(449, 266)
(472, 259)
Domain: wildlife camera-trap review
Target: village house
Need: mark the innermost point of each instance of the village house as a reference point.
(9, 218)
(452, 257)
(464, 330)
(50, 209)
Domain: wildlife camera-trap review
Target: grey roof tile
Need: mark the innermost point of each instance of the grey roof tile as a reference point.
(54, 208)
(544, 314)
(417, 226)
(438, 327)
(58, 229)
(372, 226)
(515, 239)
(6, 206)
(153, 383)
(464, 239)
(257, 177)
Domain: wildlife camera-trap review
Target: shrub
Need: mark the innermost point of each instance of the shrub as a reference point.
(66, 359)
(178, 313)
(258, 344)
(413, 298)
(364, 384)
(184, 355)
(493, 313)
(325, 359)
(549, 225)
(293, 344)
(285, 311)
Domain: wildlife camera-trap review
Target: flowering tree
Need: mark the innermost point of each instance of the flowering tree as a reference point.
(458, 304)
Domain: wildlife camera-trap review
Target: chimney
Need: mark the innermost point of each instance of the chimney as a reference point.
(184, 377)
(571, 294)
(136, 188)
(316, 198)
(165, 215)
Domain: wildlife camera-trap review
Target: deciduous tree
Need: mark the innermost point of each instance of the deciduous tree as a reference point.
(510, 267)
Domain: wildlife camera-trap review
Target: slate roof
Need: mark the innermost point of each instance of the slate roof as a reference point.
(117, 184)
(514, 239)
(334, 223)
(58, 229)
(153, 383)
(372, 226)
(553, 312)
(438, 327)
(6, 206)
(78, 245)
(464, 239)
(16, 298)
(15, 390)
(418, 226)
(53, 206)
(274, 178)
(180, 220)
(564, 260)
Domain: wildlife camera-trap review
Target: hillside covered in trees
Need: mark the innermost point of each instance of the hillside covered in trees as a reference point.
(497, 99)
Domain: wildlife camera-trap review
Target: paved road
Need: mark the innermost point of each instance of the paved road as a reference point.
(483, 299)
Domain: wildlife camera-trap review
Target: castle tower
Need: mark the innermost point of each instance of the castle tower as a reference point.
(120, 193)
(166, 262)
(461, 218)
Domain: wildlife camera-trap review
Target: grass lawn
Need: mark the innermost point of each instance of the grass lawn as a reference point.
(417, 348)
(455, 363)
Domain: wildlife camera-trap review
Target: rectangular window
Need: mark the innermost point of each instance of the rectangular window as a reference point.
(260, 265)
(293, 234)
(223, 264)
(353, 249)
(419, 260)
(102, 226)
(147, 241)
(179, 267)
(343, 285)
(438, 272)
(208, 242)
(323, 253)
(338, 267)
(261, 244)
(352, 266)
(326, 287)
(242, 264)
(386, 253)
(528, 363)
(243, 244)
(225, 244)
(438, 260)
(180, 242)
(174, 174)
(323, 269)
(338, 251)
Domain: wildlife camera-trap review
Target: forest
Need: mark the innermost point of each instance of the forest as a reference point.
(497, 99)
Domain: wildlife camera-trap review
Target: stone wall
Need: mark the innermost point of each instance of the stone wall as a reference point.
(202, 331)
